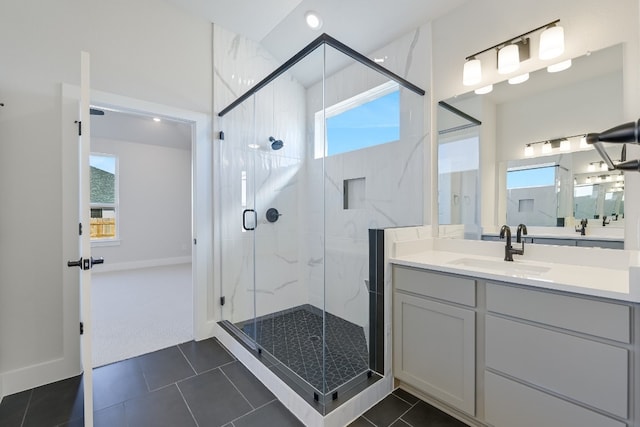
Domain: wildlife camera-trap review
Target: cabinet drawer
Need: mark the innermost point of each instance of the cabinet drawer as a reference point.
(508, 404)
(587, 371)
(601, 319)
(449, 288)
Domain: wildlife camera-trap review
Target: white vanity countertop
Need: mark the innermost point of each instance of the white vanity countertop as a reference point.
(607, 273)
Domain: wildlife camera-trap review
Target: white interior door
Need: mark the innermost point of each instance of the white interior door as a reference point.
(85, 262)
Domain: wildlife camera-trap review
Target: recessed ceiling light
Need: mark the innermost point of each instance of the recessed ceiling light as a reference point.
(157, 119)
(313, 20)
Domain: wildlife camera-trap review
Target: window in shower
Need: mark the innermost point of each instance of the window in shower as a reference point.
(365, 120)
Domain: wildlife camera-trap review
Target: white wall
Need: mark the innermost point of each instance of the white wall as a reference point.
(589, 25)
(154, 205)
(145, 50)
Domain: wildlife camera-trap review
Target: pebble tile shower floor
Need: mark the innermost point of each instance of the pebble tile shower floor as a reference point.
(294, 337)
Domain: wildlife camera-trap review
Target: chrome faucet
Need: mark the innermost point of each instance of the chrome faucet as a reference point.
(509, 251)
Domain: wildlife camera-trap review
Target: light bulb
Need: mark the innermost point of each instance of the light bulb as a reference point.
(546, 148)
(603, 166)
(565, 145)
(583, 142)
(313, 20)
(588, 180)
(591, 167)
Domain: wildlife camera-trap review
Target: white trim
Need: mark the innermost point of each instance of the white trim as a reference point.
(105, 242)
(36, 375)
(148, 263)
(1, 387)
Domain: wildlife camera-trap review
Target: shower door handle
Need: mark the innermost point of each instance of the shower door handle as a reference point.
(244, 219)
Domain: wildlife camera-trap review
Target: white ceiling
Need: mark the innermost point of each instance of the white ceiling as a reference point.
(130, 127)
(278, 25)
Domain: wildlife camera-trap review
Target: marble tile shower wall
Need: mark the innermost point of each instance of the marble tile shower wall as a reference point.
(272, 176)
(393, 183)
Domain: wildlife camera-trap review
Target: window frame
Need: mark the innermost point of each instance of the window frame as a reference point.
(109, 241)
(321, 144)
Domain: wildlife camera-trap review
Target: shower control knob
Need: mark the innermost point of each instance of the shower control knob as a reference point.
(272, 214)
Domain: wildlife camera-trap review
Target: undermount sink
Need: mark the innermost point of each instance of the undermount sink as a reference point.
(504, 267)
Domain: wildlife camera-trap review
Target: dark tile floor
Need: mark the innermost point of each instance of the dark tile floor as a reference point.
(193, 384)
(402, 409)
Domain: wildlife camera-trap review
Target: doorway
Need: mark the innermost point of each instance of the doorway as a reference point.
(141, 224)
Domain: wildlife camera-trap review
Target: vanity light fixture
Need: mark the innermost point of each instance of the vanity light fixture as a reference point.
(513, 51)
(620, 177)
(484, 90)
(562, 144)
(528, 150)
(591, 167)
(588, 180)
(157, 119)
(608, 178)
(603, 166)
(599, 178)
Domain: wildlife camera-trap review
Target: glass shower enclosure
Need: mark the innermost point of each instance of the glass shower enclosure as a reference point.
(321, 151)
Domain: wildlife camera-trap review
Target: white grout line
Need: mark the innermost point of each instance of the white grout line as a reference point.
(24, 416)
(187, 359)
(187, 404)
(236, 387)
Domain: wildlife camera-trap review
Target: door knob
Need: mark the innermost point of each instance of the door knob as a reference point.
(85, 264)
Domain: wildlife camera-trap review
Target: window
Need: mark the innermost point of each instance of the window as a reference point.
(365, 120)
(104, 196)
(532, 177)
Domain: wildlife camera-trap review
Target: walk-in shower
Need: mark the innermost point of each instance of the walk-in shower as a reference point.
(296, 216)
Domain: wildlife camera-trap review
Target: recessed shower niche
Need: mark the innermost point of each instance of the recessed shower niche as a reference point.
(295, 291)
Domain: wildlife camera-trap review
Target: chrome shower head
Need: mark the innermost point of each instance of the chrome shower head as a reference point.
(276, 144)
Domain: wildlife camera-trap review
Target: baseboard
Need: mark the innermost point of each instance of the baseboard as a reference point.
(133, 265)
(35, 375)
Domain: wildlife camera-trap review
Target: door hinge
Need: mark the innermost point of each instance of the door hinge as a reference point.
(79, 127)
(81, 328)
(222, 300)
(80, 229)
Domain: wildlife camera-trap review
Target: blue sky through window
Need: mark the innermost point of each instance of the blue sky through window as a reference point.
(105, 163)
(536, 177)
(372, 123)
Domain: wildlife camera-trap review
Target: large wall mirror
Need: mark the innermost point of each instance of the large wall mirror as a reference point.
(517, 154)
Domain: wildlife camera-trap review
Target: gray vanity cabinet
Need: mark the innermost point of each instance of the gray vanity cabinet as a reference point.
(434, 335)
(505, 355)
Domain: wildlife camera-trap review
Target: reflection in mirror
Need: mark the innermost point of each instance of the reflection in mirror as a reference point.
(517, 122)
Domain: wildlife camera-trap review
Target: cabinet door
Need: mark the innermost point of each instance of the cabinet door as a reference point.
(434, 349)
